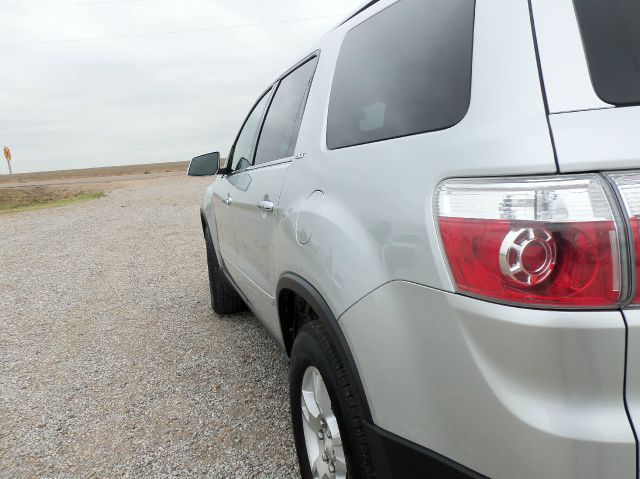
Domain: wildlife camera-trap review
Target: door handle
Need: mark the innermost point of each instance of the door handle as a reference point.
(227, 200)
(265, 205)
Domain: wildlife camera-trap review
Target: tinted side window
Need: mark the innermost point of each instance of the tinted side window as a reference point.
(243, 149)
(404, 71)
(611, 37)
(280, 131)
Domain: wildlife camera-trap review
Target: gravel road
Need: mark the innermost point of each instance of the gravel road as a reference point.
(111, 360)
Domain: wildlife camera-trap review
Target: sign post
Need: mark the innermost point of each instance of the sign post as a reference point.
(7, 155)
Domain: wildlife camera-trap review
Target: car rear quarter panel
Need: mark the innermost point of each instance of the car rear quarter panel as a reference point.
(376, 224)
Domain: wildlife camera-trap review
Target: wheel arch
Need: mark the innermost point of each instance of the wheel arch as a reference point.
(213, 232)
(292, 286)
(203, 220)
(392, 455)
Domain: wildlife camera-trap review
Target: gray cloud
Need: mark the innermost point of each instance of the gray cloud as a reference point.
(147, 98)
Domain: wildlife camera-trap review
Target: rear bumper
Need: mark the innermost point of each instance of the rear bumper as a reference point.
(504, 391)
(394, 457)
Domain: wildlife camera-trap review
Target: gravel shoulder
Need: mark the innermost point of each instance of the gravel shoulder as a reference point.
(111, 360)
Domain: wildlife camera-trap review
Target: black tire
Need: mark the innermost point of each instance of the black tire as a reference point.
(312, 347)
(224, 297)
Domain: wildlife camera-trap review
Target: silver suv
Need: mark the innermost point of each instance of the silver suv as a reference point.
(435, 214)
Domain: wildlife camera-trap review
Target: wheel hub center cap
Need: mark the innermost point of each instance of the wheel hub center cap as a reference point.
(327, 440)
(323, 439)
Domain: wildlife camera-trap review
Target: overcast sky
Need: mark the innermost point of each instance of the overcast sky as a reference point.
(69, 100)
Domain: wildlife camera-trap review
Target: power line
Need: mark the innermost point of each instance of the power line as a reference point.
(89, 2)
(174, 32)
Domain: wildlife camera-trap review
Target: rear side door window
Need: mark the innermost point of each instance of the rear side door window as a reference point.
(281, 126)
(404, 71)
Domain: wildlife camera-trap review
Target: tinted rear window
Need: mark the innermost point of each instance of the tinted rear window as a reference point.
(611, 37)
(404, 71)
(282, 124)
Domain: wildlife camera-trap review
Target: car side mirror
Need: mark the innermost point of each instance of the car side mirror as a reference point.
(206, 165)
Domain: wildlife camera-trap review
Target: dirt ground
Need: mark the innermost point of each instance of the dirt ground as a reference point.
(112, 363)
(94, 173)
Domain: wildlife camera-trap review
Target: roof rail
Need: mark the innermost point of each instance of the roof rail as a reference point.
(359, 11)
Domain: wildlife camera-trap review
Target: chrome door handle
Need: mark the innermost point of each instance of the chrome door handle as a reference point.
(265, 205)
(227, 200)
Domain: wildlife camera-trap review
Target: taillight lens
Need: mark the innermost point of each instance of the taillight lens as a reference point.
(534, 241)
(628, 185)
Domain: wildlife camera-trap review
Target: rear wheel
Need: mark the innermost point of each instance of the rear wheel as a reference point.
(224, 297)
(327, 421)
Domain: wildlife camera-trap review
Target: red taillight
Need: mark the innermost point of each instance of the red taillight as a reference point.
(628, 185)
(580, 272)
(635, 231)
(533, 241)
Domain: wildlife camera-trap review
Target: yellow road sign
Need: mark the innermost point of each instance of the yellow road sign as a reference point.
(7, 153)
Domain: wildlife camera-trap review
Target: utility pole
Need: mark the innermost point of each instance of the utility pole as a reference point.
(7, 155)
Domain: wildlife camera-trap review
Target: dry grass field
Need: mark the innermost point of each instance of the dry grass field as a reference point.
(154, 168)
(29, 191)
(34, 197)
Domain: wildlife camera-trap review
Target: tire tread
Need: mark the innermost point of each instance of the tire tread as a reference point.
(224, 298)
